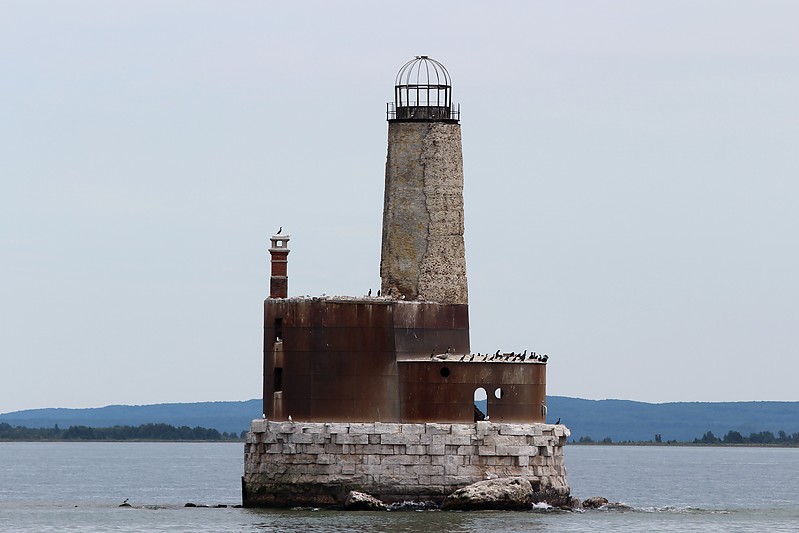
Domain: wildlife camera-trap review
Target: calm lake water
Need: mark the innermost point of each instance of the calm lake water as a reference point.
(78, 487)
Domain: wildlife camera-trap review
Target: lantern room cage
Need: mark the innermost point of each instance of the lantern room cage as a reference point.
(423, 92)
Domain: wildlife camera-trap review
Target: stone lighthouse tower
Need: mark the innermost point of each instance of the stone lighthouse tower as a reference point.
(423, 255)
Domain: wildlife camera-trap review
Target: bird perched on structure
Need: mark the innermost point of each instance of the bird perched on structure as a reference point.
(433, 354)
(463, 357)
(370, 292)
(378, 293)
(524, 354)
(544, 358)
(279, 231)
(471, 358)
(496, 354)
(558, 422)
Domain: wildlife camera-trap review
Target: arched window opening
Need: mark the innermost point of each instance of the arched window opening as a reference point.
(480, 404)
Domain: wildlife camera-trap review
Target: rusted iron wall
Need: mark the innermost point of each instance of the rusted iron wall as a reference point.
(337, 360)
(422, 328)
(443, 391)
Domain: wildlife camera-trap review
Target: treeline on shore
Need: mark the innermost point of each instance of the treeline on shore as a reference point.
(762, 438)
(148, 432)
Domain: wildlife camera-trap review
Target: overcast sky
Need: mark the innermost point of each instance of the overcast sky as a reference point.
(630, 183)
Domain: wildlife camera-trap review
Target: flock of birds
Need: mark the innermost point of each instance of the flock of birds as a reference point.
(497, 356)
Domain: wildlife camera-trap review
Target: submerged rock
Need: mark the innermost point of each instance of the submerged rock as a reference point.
(575, 504)
(413, 506)
(359, 501)
(595, 502)
(512, 493)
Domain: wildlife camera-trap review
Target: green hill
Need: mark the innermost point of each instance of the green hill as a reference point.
(623, 420)
(231, 417)
(620, 420)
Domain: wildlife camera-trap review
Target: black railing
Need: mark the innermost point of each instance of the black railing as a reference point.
(422, 111)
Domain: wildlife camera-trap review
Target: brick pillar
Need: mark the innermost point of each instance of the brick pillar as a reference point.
(279, 282)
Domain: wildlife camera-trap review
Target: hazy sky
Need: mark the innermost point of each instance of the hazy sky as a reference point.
(631, 187)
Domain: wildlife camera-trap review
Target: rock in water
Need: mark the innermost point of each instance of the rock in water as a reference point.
(594, 502)
(510, 493)
(358, 501)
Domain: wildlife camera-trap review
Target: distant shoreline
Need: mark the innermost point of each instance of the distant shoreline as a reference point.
(692, 444)
(124, 440)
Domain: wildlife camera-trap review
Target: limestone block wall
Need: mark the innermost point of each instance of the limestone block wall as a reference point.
(423, 253)
(317, 464)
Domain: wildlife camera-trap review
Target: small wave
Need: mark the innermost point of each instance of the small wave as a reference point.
(676, 509)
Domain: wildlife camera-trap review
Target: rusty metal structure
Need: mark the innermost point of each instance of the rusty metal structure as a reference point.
(388, 358)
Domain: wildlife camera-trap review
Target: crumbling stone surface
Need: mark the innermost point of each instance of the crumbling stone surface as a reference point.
(423, 253)
(513, 493)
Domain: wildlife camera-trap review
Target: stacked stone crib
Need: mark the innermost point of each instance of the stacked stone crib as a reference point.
(290, 463)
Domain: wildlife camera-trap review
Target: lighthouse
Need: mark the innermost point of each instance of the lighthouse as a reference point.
(377, 393)
(423, 255)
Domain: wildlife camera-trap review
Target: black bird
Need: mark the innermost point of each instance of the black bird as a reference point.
(485, 357)
(471, 358)
(280, 230)
(496, 354)
(524, 355)
(558, 422)
(463, 357)
(378, 293)
(370, 292)
(544, 358)
(433, 354)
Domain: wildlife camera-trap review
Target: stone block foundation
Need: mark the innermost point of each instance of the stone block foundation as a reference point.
(317, 464)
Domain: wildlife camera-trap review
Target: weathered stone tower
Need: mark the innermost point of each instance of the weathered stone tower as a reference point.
(423, 255)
